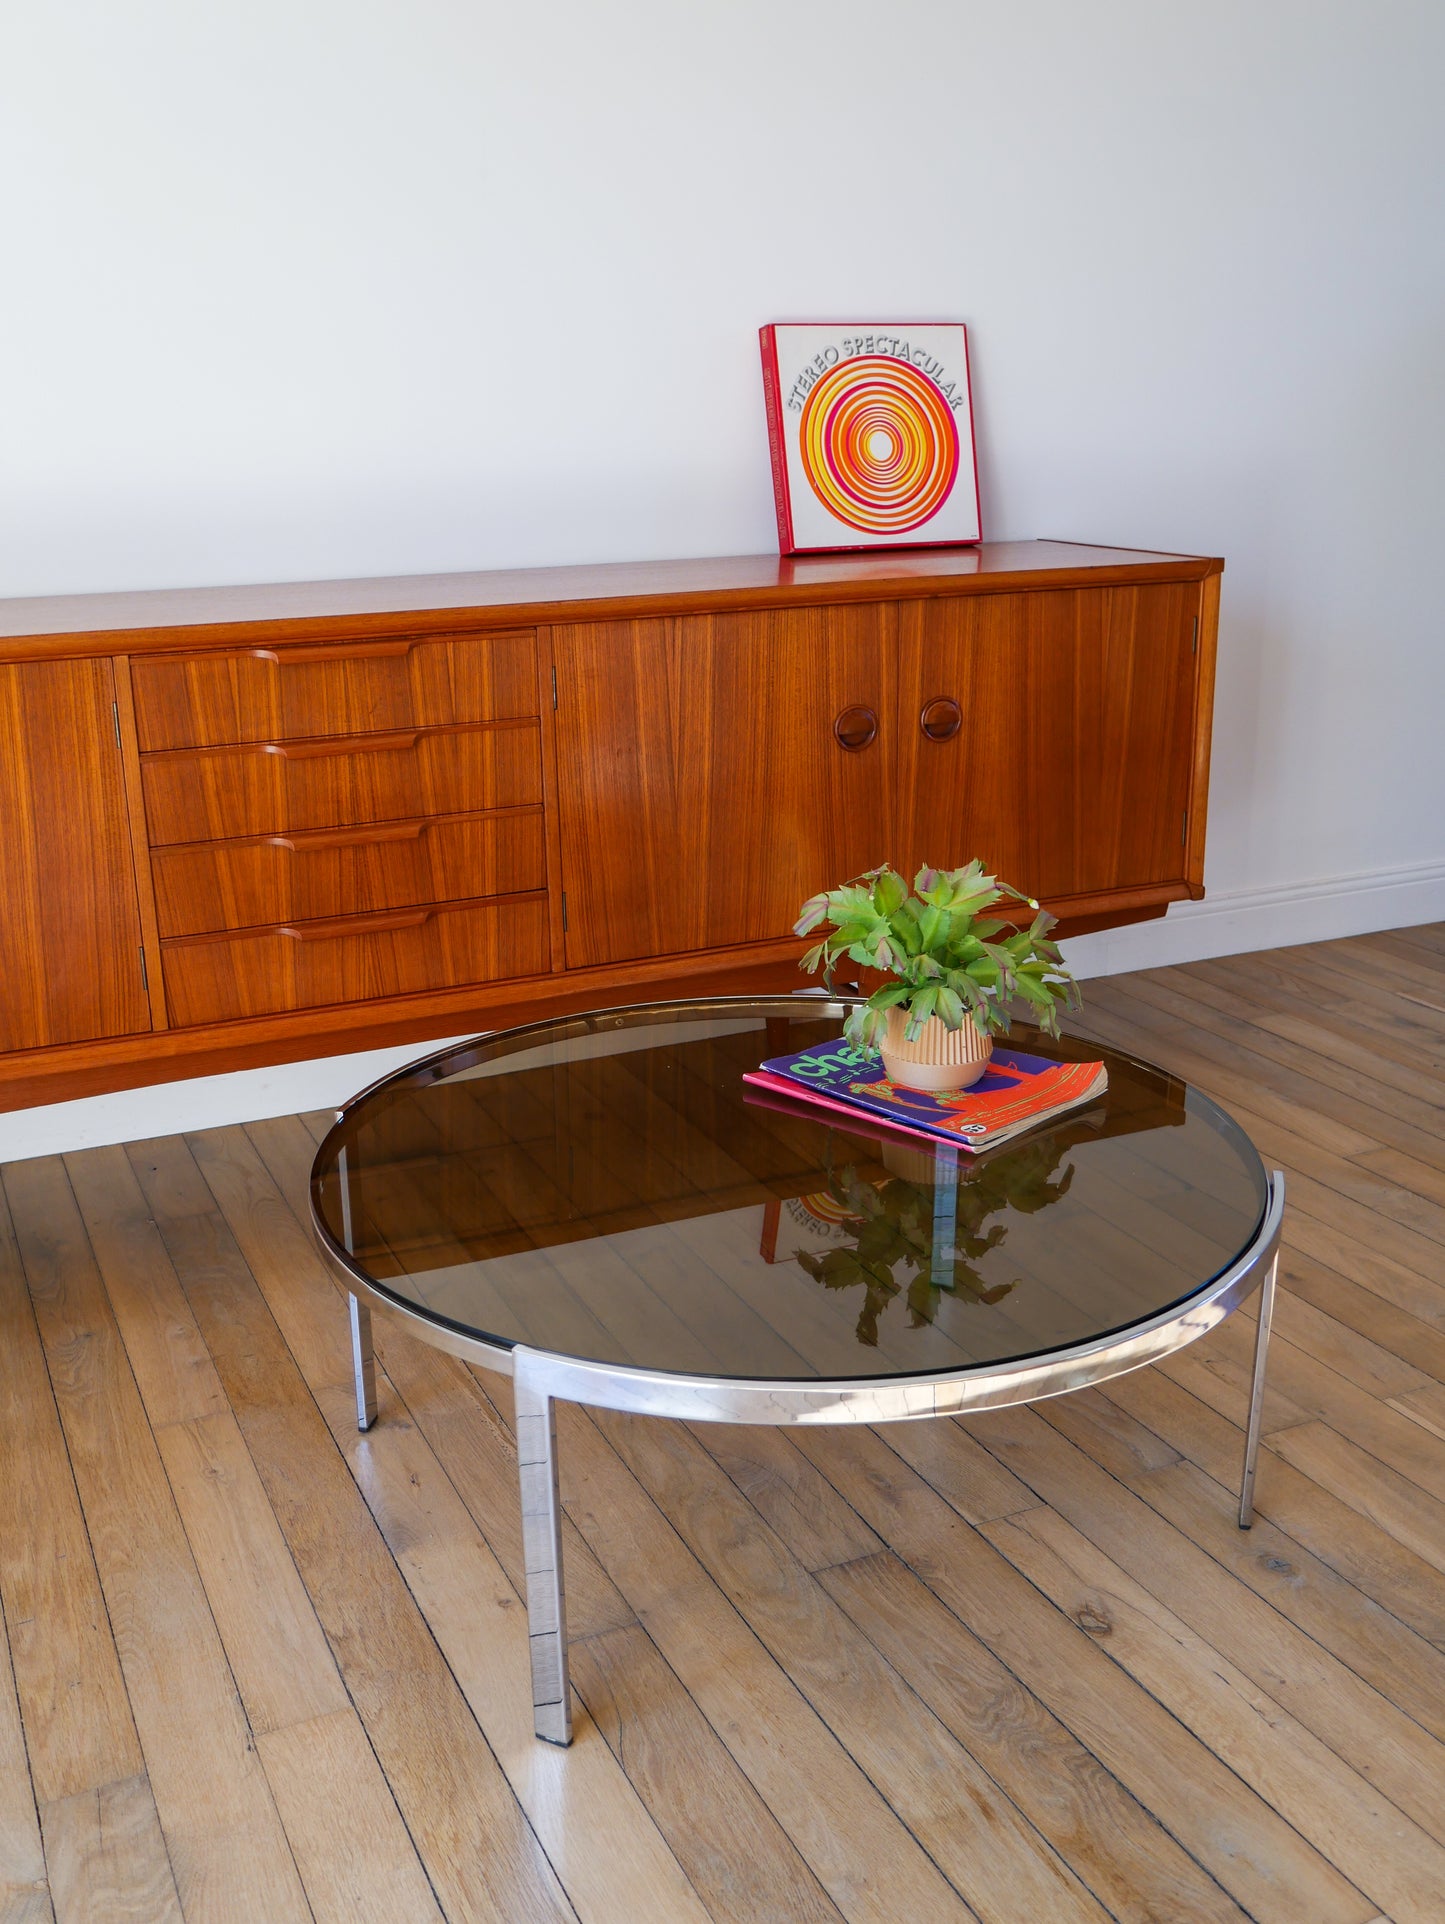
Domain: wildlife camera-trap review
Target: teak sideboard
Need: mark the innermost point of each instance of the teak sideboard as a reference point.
(240, 826)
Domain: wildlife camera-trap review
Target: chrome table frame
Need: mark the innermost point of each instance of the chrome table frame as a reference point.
(540, 1378)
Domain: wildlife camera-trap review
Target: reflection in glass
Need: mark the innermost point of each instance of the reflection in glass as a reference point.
(932, 1229)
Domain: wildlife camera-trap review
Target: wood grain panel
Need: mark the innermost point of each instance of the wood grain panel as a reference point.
(331, 610)
(691, 786)
(482, 1858)
(354, 959)
(740, 1860)
(704, 793)
(1370, 1840)
(139, 847)
(473, 1613)
(109, 1858)
(274, 692)
(275, 1646)
(23, 1894)
(215, 1809)
(1231, 1831)
(866, 1859)
(351, 1846)
(69, 922)
(211, 794)
(85, 1068)
(78, 1728)
(1202, 1723)
(325, 872)
(1124, 1855)
(1383, 1746)
(1070, 771)
(1205, 649)
(169, 1361)
(450, 1571)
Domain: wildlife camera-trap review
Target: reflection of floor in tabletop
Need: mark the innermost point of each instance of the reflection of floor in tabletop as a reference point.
(1020, 1668)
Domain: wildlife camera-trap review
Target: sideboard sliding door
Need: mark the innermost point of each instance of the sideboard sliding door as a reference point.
(70, 937)
(1049, 734)
(716, 770)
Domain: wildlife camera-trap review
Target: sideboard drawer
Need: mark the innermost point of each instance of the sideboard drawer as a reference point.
(331, 688)
(360, 958)
(266, 788)
(315, 873)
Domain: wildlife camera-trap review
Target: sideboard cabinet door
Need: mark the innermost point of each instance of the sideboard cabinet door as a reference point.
(70, 962)
(1051, 734)
(716, 770)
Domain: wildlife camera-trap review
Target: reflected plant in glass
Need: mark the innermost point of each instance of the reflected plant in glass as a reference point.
(894, 1225)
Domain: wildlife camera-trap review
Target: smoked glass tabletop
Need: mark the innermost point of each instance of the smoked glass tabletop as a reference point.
(608, 1187)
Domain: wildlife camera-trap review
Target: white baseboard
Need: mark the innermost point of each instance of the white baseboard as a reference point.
(1235, 922)
(1225, 924)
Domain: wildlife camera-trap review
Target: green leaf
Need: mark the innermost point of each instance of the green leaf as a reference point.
(933, 927)
(949, 1008)
(1034, 992)
(890, 891)
(872, 1028)
(966, 989)
(851, 932)
(919, 1010)
(854, 1028)
(908, 933)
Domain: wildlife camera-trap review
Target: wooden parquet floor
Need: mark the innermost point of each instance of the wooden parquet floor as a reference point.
(1023, 1668)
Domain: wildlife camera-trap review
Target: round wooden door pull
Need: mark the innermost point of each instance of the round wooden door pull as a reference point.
(855, 727)
(941, 718)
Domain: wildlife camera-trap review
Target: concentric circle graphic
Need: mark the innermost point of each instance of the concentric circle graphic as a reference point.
(879, 444)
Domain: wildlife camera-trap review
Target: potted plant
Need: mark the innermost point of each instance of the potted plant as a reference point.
(956, 968)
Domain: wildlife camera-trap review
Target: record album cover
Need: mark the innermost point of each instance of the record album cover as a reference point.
(870, 426)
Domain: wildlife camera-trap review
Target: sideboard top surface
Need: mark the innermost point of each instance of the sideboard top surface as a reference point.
(145, 619)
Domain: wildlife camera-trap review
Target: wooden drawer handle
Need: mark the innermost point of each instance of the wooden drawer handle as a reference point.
(332, 651)
(343, 745)
(354, 925)
(941, 718)
(305, 839)
(855, 728)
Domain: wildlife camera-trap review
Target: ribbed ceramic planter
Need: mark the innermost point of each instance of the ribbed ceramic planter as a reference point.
(941, 1059)
(913, 1165)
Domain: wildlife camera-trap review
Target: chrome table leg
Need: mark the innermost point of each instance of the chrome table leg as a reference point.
(363, 1363)
(1256, 1394)
(542, 1553)
(945, 1216)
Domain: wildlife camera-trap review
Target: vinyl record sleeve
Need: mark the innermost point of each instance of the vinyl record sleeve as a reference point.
(870, 428)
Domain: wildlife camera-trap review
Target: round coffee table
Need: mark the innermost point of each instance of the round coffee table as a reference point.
(600, 1207)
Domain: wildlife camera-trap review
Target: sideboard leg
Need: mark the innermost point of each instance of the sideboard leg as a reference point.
(363, 1363)
(1256, 1394)
(542, 1553)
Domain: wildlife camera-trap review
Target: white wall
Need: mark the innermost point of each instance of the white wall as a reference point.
(310, 288)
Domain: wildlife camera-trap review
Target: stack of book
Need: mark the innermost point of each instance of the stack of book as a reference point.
(1017, 1092)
